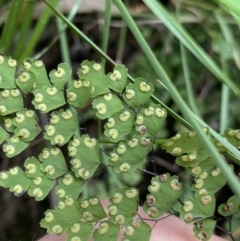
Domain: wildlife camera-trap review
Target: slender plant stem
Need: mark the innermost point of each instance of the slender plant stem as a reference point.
(63, 42)
(122, 40)
(186, 72)
(225, 96)
(106, 28)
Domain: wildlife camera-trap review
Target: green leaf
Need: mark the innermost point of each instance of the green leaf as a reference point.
(44, 96)
(128, 156)
(14, 146)
(78, 93)
(10, 101)
(27, 127)
(150, 121)
(165, 190)
(69, 185)
(8, 124)
(202, 167)
(233, 136)
(138, 93)
(61, 219)
(7, 69)
(38, 69)
(137, 231)
(40, 187)
(92, 210)
(201, 207)
(79, 231)
(63, 125)
(86, 156)
(118, 78)
(94, 73)
(124, 205)
(53, 162)
(60, 76)
(193, 158)
(119, 125)
(232, 206)
(207, 164)
(32, 165)
(14, 179)
(25, 81)
(107, 105)
(107, 231)
(183, 143)
(204, 229)
(211, 183)
(3, 135)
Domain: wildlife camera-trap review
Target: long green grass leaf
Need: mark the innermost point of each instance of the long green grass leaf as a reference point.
(38, 30)
(10, 25)
(24, 28)
(229, 38)
(71, 15)
(190, 43)
(232, 5)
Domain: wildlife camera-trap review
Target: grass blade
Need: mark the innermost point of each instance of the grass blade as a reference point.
(232, 5)
(24, 28)
(190, 43)
(38, 30)
(71, 15)
(10, 25)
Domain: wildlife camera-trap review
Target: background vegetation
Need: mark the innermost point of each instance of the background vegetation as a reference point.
(202, 61)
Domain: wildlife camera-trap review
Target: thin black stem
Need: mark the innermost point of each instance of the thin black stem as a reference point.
(143, 170)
